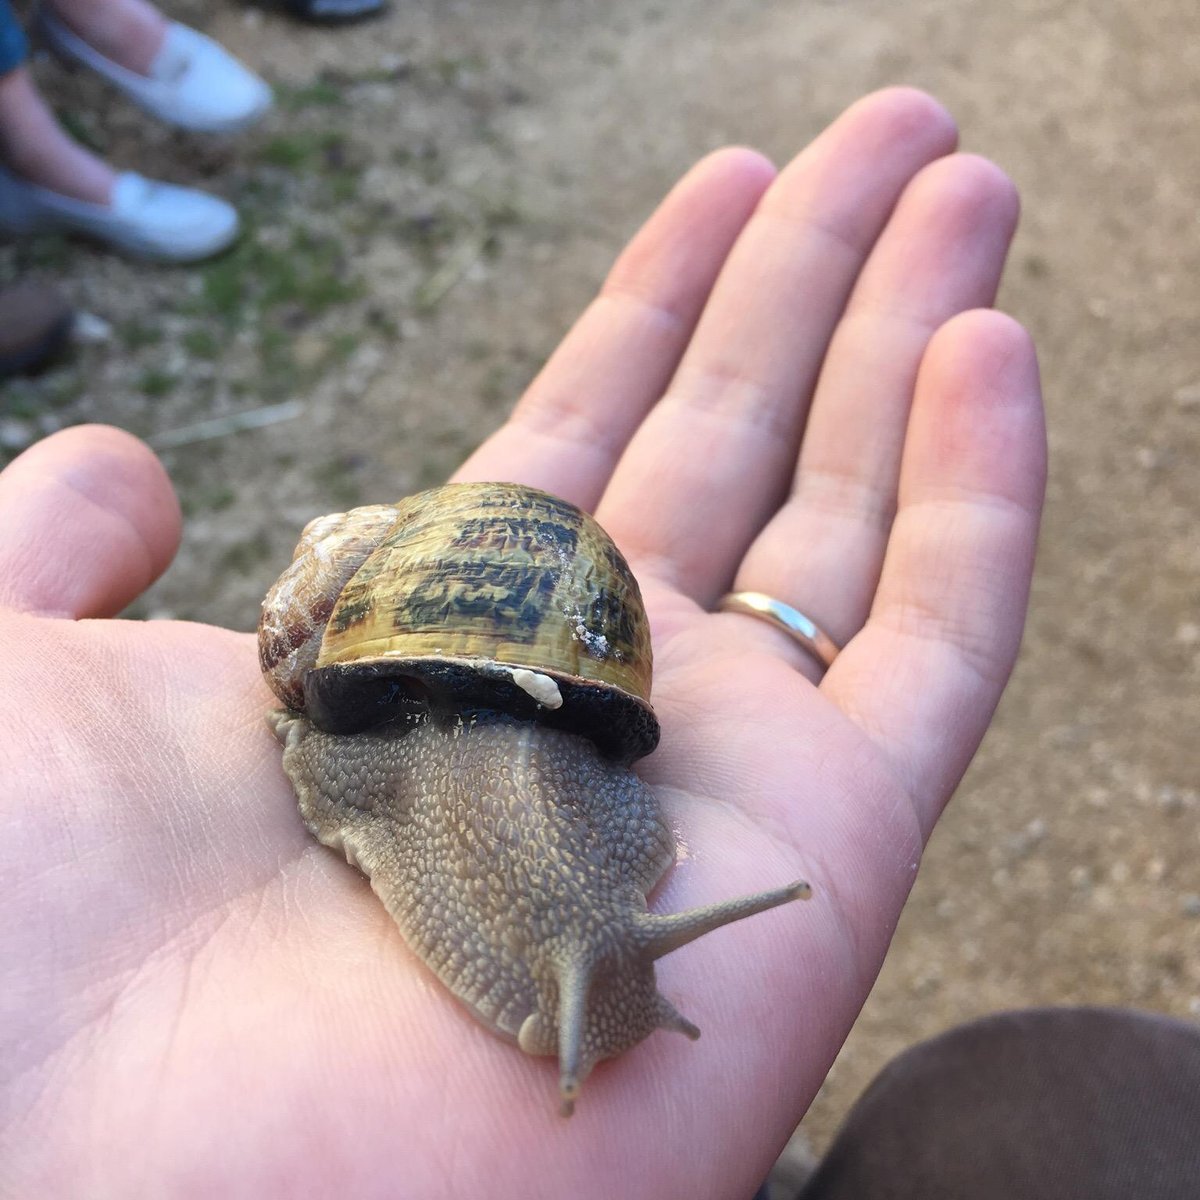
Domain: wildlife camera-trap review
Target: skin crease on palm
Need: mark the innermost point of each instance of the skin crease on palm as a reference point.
(790, 383)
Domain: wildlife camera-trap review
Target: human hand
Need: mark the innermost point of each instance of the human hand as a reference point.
(196, 999)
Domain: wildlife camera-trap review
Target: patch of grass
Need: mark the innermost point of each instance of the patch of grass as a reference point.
(245, 555)
(274, 344)
(342, 186)
(343, 345)
(136, 335)
(51, 252)
(63, 387)
(155, 383)
(216, 499)
(336, 483)
(312, 275)
(308, 273)
(222, 286)
(450, 69)
(18, 402)
(201, 343)
(319, 93)
(81, 131)
(305, 148)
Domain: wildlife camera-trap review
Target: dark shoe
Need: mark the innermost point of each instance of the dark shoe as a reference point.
(35, 321)
(334, 12)
(1037, 1104)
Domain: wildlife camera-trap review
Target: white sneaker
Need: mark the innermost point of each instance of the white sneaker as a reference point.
(151, 220)
(194, 83)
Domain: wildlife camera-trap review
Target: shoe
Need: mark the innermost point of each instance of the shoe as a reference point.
(335, 12)
(35, 322)
(194, 83)
(146, 219)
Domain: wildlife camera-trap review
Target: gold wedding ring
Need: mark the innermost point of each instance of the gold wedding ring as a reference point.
(796, 625)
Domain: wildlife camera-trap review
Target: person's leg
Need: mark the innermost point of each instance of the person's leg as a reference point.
(1043, 1104)
(36, 148)
(128, 32)
(48, 182)
(175, 73)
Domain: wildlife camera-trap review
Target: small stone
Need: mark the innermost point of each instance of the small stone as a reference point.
(1022, 842)
(1190, 905)
(1188, 398)
(927, 982)
(89, 329)
(15, 434)
(395, 65)
(308, 349)
(1147, 457)
(1188, 633)
(1169, 800)
(252, 18)
(1156, 870)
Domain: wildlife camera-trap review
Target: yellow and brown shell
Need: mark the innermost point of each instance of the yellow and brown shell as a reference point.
(468, 596)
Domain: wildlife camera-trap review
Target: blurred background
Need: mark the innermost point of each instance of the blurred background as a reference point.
(437, 194)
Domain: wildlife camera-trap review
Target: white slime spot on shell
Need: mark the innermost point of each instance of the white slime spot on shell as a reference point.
(541, 687)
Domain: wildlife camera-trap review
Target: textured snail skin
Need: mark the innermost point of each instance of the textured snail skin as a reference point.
(516, 861)
(512, 843)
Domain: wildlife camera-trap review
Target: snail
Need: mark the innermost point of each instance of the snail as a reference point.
(465, 678)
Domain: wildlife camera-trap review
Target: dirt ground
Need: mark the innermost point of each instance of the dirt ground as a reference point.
(437, 195)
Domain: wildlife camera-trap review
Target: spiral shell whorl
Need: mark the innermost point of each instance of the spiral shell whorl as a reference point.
(297, 608)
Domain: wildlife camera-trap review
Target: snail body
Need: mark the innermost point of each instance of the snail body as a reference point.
(466, 681)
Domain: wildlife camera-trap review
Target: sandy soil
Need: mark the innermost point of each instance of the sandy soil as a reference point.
(453, 182)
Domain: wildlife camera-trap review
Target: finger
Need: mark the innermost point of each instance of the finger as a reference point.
(718, 452)
(924, 675)
(579, 413)
(88, 520)
(942, 253)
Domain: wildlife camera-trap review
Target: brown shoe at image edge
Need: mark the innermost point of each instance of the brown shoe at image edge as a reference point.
(35, 320)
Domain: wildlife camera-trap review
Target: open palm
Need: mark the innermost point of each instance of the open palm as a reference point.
(782, 388)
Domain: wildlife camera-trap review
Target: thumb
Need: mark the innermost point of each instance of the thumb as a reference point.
(88, 520)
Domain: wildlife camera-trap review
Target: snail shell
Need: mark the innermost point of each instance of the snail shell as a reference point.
(466, 677)
(466, 595)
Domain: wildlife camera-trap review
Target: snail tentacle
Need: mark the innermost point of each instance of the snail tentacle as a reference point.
(660, 934)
